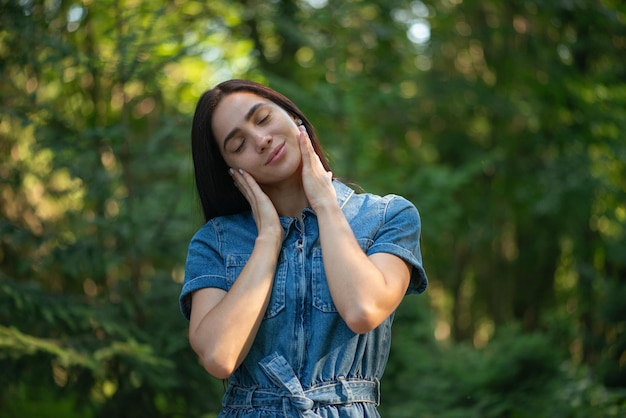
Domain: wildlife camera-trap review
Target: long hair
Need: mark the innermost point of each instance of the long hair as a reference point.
(216, 190)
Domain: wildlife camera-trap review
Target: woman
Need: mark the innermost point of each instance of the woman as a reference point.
(291, 285)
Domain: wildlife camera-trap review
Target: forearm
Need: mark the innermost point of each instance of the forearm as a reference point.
(223, 334)
(364, 294)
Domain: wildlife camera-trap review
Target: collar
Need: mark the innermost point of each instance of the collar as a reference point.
(343, 193)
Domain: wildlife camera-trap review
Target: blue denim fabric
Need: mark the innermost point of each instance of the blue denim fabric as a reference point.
(303, 344)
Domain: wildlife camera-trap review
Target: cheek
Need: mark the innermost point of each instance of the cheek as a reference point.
(232, 160)
(242, 160)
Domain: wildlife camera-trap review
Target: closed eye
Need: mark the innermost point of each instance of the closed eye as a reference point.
(264, 119)
(240, 147)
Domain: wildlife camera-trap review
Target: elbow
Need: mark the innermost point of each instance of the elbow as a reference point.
(218, 366)
(216, 369)
(360, 328)
(361, 320)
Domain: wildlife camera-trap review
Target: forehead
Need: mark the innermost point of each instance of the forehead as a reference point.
(240, 99)
(232, 110)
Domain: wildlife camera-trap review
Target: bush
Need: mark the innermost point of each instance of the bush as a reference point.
(518, 375)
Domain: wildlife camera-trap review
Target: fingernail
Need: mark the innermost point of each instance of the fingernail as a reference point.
(231, 171)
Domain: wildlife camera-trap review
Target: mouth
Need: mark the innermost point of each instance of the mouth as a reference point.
(275, 154)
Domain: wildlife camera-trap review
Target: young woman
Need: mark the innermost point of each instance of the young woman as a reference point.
(291, 285)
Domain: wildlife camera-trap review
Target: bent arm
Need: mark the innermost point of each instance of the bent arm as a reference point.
(365, 290)
(223, 325)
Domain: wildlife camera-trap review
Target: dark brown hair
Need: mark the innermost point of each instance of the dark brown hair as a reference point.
(216, 190)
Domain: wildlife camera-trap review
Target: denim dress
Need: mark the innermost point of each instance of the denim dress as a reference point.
(305, 361)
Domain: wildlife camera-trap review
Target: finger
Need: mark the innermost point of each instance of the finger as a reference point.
(311, 160)
(302, 140)
(253, 192)
(248, 181)
(241, 184)
(263, 210)
(306, 147)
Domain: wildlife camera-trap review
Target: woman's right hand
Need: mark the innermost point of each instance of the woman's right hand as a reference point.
(263, 210)
(223, 325)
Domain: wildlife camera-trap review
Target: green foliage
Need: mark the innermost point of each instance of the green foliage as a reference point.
(518, 374)
(97, 353)
(502, 121)
(96, 215)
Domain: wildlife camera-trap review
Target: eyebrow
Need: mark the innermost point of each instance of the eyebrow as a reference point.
(248, 116)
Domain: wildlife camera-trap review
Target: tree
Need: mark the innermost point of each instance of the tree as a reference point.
(97, 205)
(502, 122)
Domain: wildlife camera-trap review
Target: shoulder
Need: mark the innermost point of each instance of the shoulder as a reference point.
(230, 223)
(382, 207)
(232, 227)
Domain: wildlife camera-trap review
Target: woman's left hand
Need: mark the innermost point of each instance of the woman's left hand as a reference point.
(317, 182)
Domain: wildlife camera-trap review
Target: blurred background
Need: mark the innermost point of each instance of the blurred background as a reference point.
(503, 122)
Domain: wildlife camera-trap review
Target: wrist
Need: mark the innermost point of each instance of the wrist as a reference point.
(270, 240)
(327, 208)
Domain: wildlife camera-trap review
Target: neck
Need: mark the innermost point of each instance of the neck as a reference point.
(289, 199)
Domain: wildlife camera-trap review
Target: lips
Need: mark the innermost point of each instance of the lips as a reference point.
(275, 154)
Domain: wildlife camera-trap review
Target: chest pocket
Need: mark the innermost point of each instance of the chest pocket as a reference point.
(234, 266)
(322, 299)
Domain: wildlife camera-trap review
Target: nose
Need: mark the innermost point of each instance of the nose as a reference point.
(263, 142)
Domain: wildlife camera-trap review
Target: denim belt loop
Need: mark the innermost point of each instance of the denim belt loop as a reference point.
(227, 395)
(378, 394)
(249, 395)
(345, 388)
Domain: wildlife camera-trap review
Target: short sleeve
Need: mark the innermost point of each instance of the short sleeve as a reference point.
(204, 267)
(400, 235)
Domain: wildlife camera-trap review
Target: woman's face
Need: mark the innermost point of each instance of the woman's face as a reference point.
(258, 136)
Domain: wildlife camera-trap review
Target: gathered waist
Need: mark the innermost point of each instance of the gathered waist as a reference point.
(292, 398)
(339, 392)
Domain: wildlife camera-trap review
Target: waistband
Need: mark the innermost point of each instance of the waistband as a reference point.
(289, 394)
(339, 392)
